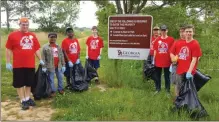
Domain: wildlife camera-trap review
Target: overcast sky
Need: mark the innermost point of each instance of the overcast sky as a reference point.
(86, 18)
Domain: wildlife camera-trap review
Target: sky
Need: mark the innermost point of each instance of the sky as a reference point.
(86, 17)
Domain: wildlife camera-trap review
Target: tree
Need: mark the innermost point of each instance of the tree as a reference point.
(56, 14)
(8, 6)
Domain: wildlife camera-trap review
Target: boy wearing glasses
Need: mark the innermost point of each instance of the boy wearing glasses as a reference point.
(54, 63)
(23, 45)
(162, 59)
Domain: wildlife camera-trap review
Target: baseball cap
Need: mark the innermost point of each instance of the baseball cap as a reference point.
(156, 28)
(23, 20)
(94, 27)
(68, 29)
(163, 27)
(52, 34)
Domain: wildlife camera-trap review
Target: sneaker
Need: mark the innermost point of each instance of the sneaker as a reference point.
(97, 81)
(31, 102)
(156, 92)
(24, 105)
(53, 94)
(61, 92)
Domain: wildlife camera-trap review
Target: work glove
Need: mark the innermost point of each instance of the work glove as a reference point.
(189, 75)
(41, 62)
(9, 66)
(171, 68)
(63, 69)
(99, 57)
(86, 57)
(152, 62)
(78, 61)
(70, 64)
(44, 69)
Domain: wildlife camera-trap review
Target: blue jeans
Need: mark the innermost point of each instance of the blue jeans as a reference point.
(59, 77)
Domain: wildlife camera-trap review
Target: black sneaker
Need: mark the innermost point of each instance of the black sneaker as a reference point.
(24, 105)
(97, 81)
(30, 102)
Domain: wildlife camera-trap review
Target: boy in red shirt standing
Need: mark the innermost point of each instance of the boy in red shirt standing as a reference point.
(71, 50)
(23, 46)
(188, 52)
(53, 57)
(162, 58)
(93, 51)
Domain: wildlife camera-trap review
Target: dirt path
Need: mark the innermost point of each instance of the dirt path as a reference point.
(11, 110)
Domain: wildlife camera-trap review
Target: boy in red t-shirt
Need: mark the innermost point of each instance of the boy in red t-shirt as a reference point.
(177, 80)
(53, 57)
(188, 52)
(94, 49)
(23, 46)
(71, 50)
(162, 58)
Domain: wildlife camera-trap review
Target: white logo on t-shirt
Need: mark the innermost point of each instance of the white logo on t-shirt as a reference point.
(94, 44)
(26, 42)
(183, 53)
(55, 51)
(162, 47)
(73, 48)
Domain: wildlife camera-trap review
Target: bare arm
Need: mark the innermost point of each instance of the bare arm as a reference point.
(192, 64)
(172, 56)
(8, 55)
(38, 54)
(86, 50)
(101, 51)
(65, 55)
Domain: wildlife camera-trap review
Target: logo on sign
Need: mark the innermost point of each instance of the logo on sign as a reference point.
(128, 54)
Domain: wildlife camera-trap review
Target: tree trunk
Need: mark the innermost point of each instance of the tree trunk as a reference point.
(7, 17)
(119, 8)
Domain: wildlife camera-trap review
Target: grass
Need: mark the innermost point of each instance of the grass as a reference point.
(127, 97)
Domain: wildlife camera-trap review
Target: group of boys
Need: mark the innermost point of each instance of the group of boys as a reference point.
(165, 52)
(24, 45)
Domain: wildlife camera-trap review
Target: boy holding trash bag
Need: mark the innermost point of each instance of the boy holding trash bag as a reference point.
(54, 62)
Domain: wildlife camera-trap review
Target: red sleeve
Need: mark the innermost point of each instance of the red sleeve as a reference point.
(155, 45)
(196, 50)
(9, 44)
(171, 43)
(173, 48)
(87, 42)
(101, 43)
(63, 45)
(36, 43)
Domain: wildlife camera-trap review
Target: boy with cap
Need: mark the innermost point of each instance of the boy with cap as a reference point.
(53, 57)
(94, 49)
(156, 34)
(162, 59)
(71, 50)
(23, 46)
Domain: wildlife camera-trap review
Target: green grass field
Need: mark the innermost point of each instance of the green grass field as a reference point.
(127, 97)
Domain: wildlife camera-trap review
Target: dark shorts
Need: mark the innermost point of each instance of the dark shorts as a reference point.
(94, 63)
(23, 77)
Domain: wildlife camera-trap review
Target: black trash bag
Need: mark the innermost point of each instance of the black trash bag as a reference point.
(149, 72)
(41, 87)
(200, 79)
(77, 78)
(90, 72)
(188, 99)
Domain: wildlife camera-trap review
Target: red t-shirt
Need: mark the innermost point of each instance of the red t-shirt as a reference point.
(72, 48)
(55, 54)
(175, 44)
(23, 47)
(94, 46)
(185, 52)
(152, 45)
(162, 47)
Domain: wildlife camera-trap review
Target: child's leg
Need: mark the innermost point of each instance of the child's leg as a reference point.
(59, 78)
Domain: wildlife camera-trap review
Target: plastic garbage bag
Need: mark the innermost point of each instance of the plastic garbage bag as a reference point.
(90, 72)
(188, 99)
(41, 87)
(149, 72)
(200, 79)
(77, 78)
